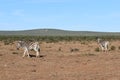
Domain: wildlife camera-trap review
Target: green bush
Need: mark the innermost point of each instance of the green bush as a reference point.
(10, 38)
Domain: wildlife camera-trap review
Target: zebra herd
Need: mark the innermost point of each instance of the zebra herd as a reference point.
(35, 46)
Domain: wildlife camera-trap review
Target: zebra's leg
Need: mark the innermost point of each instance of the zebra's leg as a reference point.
(102, 48)
(106, 49)
(28, 53)
(24, 53)
(37, 52)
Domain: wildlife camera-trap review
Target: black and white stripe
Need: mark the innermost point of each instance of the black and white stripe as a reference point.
(103, 44)
(29, 46)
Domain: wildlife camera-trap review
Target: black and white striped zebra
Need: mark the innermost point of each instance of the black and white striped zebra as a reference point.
(29, 46)
(103, 44)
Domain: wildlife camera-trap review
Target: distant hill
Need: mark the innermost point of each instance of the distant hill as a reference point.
(57, 32)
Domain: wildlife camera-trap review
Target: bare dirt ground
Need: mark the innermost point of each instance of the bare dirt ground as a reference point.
(60, 61)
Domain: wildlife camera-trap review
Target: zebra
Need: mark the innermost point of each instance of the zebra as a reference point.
(28, 46)
(103, 44)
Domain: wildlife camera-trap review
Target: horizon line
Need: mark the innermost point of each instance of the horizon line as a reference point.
(60, 29)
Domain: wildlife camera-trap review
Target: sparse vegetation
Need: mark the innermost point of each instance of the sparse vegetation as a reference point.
(97, 49)
(33, 70)
(1, 54)
(83, 42)
(8, 41)
(66, 55)
(14, 52)
(88, 54)
(113, 48)
(60, 49)
(49, 39)
(119, 47)
(74, 50)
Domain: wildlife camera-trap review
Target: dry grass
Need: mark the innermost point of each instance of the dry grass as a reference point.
(58, 63)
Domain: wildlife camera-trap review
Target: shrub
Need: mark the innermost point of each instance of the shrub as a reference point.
(97, 49)
(83, 42)
(74, 50)
(119, 47)
(113, 48)
(88, 54)
(6, 42)
(1, 54)
(59, 49)
(14, 52)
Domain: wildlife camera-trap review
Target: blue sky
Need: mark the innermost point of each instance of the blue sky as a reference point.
(78, 15)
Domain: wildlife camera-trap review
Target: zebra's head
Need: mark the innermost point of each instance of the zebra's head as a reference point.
(99, 40)
(19, 44)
